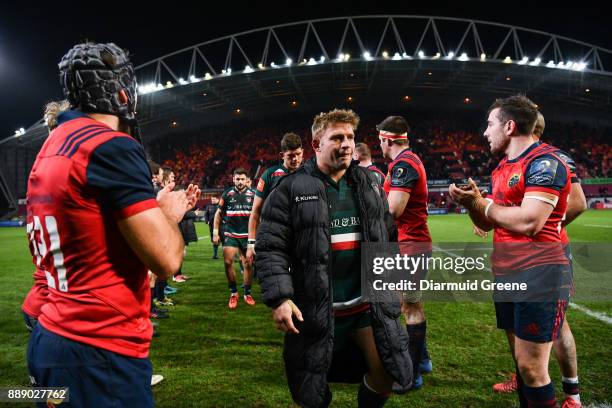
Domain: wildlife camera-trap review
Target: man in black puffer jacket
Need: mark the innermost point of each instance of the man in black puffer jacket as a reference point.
(308, 262)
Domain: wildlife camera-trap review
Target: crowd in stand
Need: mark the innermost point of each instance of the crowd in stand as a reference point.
(452, 150)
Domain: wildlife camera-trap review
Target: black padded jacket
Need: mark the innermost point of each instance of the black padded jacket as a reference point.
(293, 262)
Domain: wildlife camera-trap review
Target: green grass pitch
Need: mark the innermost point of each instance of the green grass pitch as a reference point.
(213, 357)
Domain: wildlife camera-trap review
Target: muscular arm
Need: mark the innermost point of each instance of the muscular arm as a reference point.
(576, 204)
(254, 217)
(156, 240)
(397, 202)
(528, 219)
(217, 222)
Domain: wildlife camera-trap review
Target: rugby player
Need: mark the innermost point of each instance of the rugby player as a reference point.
(235, 208)
(95, 227)
(406, 189)
(308, 261)
(564, 346)
(530, 188)
(364, 155)
(291, 153)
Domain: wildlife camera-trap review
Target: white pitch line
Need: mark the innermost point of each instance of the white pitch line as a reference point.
(203, 237)
(598, 226)
(602, 317)
(596, 315)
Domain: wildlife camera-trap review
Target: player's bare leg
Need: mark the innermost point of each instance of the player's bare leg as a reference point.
(229, 253)
(376, 386)
(565, 352)
(532, 360)
(417, 328)
(508, 386)
(247, 279)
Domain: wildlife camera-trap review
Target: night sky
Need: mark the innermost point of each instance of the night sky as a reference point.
(33, 39)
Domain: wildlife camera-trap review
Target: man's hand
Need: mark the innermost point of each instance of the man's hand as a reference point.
(216, 239)
(174, 204)
(480, 233)
(250, 255)
(470, 196)
(193, 195)
(282, 317)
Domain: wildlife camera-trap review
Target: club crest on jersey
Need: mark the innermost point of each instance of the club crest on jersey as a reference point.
(514, 180)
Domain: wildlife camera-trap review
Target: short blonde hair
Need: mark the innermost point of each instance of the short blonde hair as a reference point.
(324, 119)
(52, 111)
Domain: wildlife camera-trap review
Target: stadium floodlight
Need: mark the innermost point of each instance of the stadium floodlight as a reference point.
(207, 76)
(508, 60)
(147, 88)
(421, 54)
(385, 54)
(581, 66)
(272, 64)
(396, 56)
(406, 56)
(450, 55)
(436, 56)
(340, 57)
(463, 57)
(569, 64)
(322, 59)
(483, 56)
(550, 64)
(367, 56)
(560, 64)
(523, 61)
(182, 81)
(346, 57)
(159, 87)
(248, 69)
(193, 78)
(288, 61)
(535, 62)
(260, 66)
(20, 132)
(311, 61)
(169, 84)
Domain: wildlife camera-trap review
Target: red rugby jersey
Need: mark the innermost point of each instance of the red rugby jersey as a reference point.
(85, 178)
(537, 169)
(407, 173)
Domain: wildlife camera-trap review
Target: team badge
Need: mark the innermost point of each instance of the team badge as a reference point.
(249, 199)
(514, 180)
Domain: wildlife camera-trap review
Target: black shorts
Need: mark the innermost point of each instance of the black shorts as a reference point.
(539, 322)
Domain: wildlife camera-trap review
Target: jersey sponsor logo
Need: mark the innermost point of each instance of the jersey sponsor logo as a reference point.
(305, 198)
(514, 180)
(543, 172)
(278, 173)
(344, 222)
(249, 199)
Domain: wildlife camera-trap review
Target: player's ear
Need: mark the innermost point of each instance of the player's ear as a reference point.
(316, 144)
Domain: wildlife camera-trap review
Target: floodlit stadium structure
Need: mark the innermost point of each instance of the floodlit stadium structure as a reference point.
(370, 62)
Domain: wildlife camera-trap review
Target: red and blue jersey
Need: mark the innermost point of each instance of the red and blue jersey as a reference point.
(537, 169)
(407, 174)
(86, 177)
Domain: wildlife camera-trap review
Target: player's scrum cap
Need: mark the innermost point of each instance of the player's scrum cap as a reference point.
(99, 78)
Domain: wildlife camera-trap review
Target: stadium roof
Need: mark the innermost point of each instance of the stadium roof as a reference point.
(378, 62)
